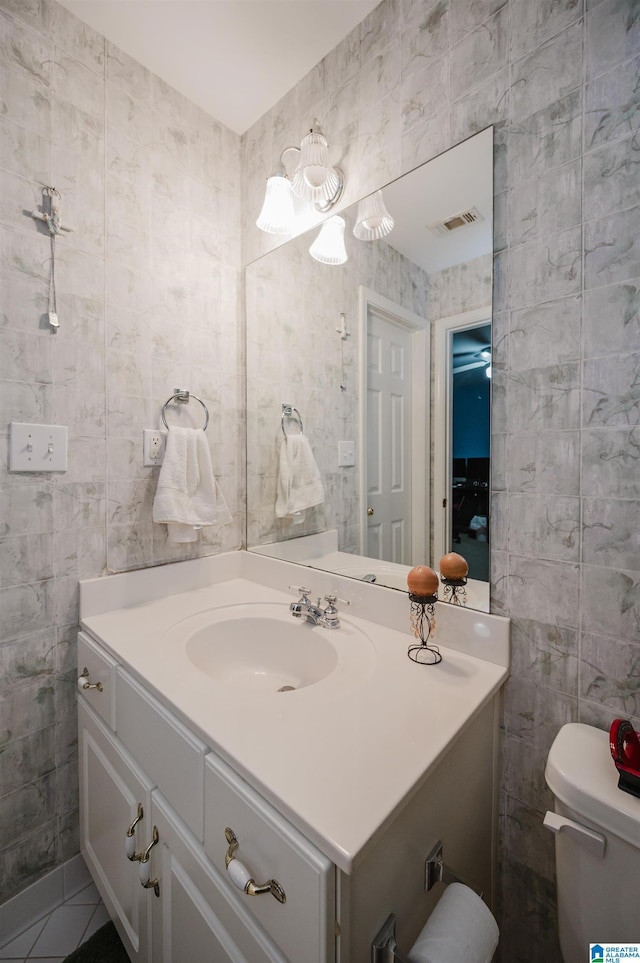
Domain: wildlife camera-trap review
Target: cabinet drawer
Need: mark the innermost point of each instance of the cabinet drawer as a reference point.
(170, 755)
(270, 848)
(102, 669)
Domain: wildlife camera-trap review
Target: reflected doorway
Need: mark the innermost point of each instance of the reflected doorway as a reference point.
(470, 446)
(394, 418)
(462, 439)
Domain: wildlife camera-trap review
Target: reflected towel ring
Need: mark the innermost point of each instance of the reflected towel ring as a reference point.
(288, 411)
(183, 396)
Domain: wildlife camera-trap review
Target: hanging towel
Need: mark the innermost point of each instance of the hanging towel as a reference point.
(299, 482)
(188, 496)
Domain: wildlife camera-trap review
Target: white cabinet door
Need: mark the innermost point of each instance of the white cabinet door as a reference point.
(196, 919)
(111, 789)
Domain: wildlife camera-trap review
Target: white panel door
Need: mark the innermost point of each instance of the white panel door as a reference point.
(389, 397)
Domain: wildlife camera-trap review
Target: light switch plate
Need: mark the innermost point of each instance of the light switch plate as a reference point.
(346, 454)
(37, 447)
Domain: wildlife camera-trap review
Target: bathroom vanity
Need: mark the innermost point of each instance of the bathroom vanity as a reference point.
(255, 788)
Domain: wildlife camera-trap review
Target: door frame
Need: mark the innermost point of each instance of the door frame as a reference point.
(370, 300)
(444, 329)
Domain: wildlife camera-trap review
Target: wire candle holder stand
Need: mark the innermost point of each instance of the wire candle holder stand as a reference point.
(423, 625)
(454, 590)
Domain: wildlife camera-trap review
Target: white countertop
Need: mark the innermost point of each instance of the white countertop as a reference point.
(337, 760)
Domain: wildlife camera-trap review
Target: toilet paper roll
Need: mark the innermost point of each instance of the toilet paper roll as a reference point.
(461, 927)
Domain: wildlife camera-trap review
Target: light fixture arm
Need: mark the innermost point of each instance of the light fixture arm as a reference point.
(322, 207)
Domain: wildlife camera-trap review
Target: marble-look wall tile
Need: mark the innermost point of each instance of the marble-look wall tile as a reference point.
(611, 602)
(611, 532)
(545, 205)
(610, 458)
(611, 179)
(544, 398)
(26, 808)
(523, 773)
(480, 53)
(546, 461)
(612, 319)
(610, 673)
(528, 841)
(545, 526)
(600, 716)
(545, 140)
(533, 713)
(545, 335)
(26, 558)
(483, 106)
(545, 653)
(612, 35)
(547, 269)
(525, 895)
(611, 391)
(540, 587)
(551, 72)
(539, 20)
(27, 759)
(425, 35)
(466, 15)
(612, 104)
(78, 39)
(612, 249)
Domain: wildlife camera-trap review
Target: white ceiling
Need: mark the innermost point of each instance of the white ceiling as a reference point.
(234, 58)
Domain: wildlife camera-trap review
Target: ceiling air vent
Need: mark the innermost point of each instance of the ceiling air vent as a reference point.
(455, 221)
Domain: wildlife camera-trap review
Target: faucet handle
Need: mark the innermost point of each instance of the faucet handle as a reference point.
(304, 592)
(332, 599)
(331, 619)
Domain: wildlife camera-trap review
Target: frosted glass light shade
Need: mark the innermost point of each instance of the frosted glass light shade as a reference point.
(328, 247)
(373, 220)
(278, 215)
(314, 178)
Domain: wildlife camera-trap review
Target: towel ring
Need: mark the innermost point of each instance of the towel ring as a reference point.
(288, 411)
(183, 396)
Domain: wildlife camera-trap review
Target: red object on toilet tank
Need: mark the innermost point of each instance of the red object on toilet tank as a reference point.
(624, 743)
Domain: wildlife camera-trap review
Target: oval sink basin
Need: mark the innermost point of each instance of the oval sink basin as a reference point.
(261, 654)
(260, 648)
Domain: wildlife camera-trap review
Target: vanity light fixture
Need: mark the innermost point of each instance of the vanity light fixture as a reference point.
(373, 220)
(328, 247)
(314, 181)
(278, 215)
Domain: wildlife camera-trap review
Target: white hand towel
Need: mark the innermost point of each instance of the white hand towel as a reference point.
(299, 482)
(187, 497)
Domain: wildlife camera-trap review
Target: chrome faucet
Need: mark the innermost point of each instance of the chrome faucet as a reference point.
(305, 609)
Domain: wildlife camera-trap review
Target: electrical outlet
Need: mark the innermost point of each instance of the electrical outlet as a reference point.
(153, 442)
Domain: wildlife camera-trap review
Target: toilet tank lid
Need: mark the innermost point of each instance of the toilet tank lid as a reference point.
(581, 773)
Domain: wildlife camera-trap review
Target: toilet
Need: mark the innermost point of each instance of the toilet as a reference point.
(597, 828)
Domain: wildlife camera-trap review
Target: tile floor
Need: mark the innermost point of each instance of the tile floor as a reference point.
(56, 935)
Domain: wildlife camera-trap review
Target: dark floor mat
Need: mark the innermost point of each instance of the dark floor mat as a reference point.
(103, 947)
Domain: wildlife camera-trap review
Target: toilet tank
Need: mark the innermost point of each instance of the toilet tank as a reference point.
(597, 829)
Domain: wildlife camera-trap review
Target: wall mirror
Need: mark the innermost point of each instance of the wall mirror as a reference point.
(383, 363)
